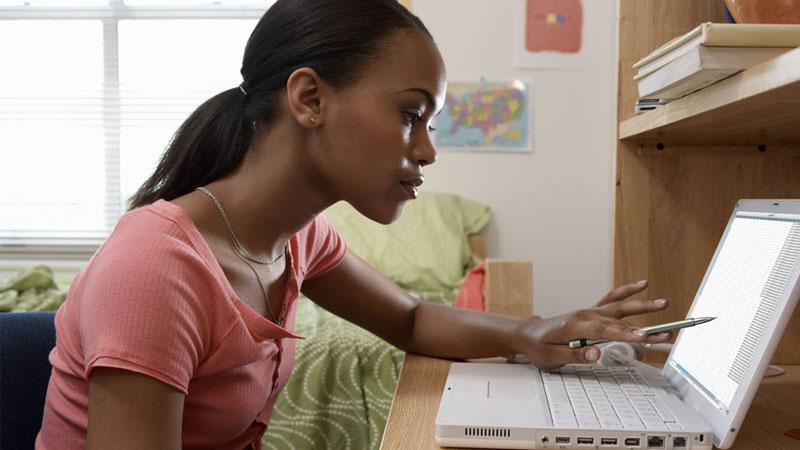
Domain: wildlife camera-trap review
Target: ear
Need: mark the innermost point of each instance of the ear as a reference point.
(304, 96)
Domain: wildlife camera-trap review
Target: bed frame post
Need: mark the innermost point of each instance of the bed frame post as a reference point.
(508, 287)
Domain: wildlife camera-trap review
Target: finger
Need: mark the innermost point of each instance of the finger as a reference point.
(595, 326)
(631, 307)
(659, 338)
(583, 355)
(623, 292)
(558, 355)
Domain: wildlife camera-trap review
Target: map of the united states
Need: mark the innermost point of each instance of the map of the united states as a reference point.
(484, 115)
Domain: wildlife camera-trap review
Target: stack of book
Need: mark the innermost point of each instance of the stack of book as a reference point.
(707, 54)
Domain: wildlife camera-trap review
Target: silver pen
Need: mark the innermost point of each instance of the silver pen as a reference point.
(690, 322)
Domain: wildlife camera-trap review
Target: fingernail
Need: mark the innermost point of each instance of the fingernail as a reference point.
(662, 335)
(660, 302)
(641, 282)
(592, 354)
(638, 332)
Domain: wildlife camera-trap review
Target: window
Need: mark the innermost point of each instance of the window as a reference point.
(90, 93)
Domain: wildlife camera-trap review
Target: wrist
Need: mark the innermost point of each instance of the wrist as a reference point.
(518, 340)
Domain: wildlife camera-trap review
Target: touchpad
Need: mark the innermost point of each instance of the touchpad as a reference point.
(470, 389)
(511, 390)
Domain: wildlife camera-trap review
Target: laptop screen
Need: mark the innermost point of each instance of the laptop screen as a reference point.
(744, 289)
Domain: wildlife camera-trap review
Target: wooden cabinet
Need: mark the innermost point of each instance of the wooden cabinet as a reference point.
(681, 168)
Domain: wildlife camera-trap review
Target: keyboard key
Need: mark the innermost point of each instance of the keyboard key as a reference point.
(662, 410)
(674, 426)
(565, 423)
(610, 423)
(588, 422)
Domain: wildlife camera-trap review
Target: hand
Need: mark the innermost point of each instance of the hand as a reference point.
(544, 341)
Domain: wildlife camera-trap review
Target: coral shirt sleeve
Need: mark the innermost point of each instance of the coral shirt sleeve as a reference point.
(145, 310)
(324, 247)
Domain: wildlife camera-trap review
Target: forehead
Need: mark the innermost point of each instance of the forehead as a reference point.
(408, 61)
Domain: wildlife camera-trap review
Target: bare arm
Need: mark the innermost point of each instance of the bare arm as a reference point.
(128, 410)
(360, 294)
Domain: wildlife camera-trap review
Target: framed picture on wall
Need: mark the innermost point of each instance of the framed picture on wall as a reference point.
(552, 34)
(481, 116)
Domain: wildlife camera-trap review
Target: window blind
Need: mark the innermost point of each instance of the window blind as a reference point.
(90, 95)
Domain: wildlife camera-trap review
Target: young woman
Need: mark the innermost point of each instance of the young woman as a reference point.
(178, 333)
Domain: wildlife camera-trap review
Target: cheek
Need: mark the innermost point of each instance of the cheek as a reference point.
(374, 145)
(366, 148)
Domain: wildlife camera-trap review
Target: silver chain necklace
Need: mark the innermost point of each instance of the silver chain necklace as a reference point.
(240, 251)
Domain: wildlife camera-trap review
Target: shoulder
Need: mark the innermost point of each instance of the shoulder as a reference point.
(318, 247)
(148, 300)
(153, 238)
(150, 260)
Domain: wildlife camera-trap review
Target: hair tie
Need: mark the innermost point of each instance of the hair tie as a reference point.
(241, 88)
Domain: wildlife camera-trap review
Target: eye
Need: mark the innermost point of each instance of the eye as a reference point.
(410, 118)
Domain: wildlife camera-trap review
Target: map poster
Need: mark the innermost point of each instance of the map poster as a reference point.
(485, 116)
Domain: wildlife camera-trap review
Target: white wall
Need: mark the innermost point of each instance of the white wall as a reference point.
(552, 206)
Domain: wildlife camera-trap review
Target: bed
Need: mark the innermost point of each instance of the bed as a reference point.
(341, 390)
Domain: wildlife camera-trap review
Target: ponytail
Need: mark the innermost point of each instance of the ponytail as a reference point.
(208, 145)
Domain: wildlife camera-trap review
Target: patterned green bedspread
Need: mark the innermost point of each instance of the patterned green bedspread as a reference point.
(341, 389)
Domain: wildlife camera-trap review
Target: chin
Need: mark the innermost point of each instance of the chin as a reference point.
(383, 213)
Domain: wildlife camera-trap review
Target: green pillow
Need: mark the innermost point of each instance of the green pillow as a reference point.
(426, 249)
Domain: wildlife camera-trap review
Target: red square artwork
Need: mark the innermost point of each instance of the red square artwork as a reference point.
(553, 25)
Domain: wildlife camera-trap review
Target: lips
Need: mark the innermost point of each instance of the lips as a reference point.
(411, 185)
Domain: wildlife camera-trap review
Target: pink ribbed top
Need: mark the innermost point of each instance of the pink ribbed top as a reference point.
(154, 300)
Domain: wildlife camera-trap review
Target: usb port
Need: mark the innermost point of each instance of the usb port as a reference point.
(585, 441)
(655, 441)
(608, 441)
(632, 442)
(562, 439)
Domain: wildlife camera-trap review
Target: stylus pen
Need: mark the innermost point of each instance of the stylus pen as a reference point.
(578, 343)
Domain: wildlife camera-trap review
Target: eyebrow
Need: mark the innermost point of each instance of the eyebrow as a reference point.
(428, 97)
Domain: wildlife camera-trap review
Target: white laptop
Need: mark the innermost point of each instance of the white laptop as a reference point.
(697, 400)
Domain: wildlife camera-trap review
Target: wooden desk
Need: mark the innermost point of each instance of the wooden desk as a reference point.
(775, 409)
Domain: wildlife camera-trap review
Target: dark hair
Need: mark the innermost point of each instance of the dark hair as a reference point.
(336, 38)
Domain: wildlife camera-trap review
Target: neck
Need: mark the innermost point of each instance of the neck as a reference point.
(271, 196)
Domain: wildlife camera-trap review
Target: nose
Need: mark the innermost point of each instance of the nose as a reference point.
(424, 152)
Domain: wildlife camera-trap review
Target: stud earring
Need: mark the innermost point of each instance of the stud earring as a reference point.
(311, 119)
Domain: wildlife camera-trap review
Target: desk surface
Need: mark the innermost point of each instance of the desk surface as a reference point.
(775, 409)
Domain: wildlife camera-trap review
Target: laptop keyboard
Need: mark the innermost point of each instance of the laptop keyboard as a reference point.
(605, 397)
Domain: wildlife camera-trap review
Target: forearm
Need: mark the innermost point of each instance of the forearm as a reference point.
(445, 331)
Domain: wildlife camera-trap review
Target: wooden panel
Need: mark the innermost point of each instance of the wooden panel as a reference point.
(509, 287)
(759, 105)
(691, 193)
(477, 242)
(643, 26)
(774, 411)
(416, 401)
(673, 204)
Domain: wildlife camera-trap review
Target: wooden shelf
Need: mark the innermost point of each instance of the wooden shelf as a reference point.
(760, 105)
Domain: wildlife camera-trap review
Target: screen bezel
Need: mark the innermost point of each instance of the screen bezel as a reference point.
(725, 427)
